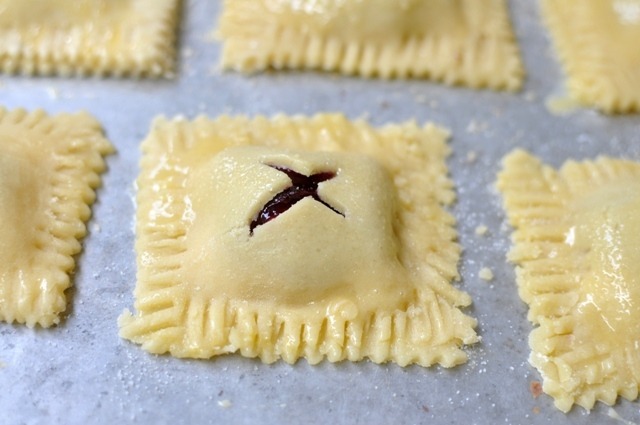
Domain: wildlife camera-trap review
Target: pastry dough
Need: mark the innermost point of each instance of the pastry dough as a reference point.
(100, 37)
(577, 246)
(49, 167)
(359, 266)
(466, 42)
(597, 41)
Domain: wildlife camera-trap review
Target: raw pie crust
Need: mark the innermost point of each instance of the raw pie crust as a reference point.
(49, 167)
(467, 42)
(370, 279)
(82, 37)
(597, 41)
(577, 246)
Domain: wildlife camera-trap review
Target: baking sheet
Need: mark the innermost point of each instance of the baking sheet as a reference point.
(82, 372)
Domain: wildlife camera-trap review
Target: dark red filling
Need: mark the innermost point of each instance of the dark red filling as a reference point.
(301, 187)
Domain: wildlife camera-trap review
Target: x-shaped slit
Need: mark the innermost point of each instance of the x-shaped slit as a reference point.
(301, 187)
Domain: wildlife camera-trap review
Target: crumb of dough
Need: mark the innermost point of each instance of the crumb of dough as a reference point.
(187, 53)
(472, 156)
(225, 404)
(481, 230)
(561, 105)
(52, 92)
(475, 127)
(614, 415)
(421, 98)
(485, 274)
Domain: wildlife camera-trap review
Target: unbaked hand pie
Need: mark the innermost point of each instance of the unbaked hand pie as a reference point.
(88, 37)
(577, 247)
(297, 237)
(467, 42)
(597, 41)
(49, 168)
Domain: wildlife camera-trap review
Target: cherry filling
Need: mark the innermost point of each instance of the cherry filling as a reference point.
(301, 187)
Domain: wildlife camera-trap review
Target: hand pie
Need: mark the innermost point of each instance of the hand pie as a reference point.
(88, 37)
(468, 42)
(597, 41)
(577, 247)
(49, 167)
(297, 237)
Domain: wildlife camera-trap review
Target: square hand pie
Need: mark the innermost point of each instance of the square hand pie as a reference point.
(88, 37)
(467, 42)
(597, 41)
(577, 246)
(297, 237)
(49, 167)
